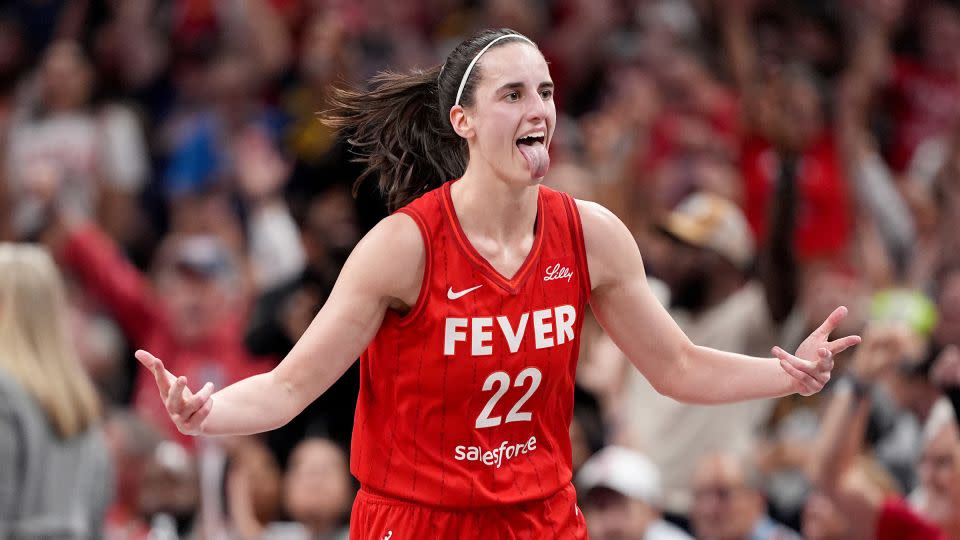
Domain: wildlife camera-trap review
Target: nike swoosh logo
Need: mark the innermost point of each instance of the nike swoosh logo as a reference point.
(454, 295)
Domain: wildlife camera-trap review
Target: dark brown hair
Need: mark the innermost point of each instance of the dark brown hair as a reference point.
(400, 128)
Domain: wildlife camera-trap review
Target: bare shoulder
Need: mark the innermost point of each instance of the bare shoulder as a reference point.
(389, 259)
(611, 249)
(598, 222)
(398, 234)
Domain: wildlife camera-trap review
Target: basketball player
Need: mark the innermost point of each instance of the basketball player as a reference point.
(466, 305)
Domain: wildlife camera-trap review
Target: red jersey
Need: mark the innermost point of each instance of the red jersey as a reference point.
(823, 215)
(466, 401)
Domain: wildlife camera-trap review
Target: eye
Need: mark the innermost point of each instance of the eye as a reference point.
(546, 94)
(513, 96)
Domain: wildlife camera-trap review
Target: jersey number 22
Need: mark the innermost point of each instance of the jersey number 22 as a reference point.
(502, 379)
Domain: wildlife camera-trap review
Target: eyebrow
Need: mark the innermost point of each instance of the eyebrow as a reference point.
(519, 85)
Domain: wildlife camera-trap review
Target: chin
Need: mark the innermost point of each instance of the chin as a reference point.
(530, 179)
(522, 178)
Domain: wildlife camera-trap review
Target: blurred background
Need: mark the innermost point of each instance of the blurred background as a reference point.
(774, 159)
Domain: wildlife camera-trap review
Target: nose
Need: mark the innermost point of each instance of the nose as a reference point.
(537, 110)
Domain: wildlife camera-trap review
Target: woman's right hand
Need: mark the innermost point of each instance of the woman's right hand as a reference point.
(186, 409)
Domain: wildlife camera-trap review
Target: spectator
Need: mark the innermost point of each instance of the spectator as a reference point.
(203, 149)
(317, 494)
(823, 520)
(132, 442)
(716, 302)
(925, 91)
(194, 311)
(729, 503)
(253, 486)
(939, 471)
(871, 513)
(620, 490)
(275, 252)
(170, 493)
(784, 108)
(55, 474)
(905, 396)
(101, 154)
(328, 229)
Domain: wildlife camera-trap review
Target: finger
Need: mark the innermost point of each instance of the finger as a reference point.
(175, 401)
(197, 400)
(839, 345)
(797, 362)
(825, 366)
(192, 424)
(832, 322)
(820, 369)
(163, 377)
(815, 370)
(809, 384)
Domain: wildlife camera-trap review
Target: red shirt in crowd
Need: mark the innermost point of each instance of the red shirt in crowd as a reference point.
(823, 220)
(926, 104)
(220, 358)
(898, 522)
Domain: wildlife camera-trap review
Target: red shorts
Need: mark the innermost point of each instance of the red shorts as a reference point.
(380, 518)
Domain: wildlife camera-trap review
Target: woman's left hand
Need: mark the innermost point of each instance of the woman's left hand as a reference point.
(813, 361)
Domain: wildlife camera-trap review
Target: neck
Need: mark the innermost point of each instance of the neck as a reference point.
(495, 208)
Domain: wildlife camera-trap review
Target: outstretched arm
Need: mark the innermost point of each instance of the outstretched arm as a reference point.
(844, 426)
(734, 18)
(384, 270)
(645, 332)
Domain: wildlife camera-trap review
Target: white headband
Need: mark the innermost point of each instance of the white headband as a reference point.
(466, 74)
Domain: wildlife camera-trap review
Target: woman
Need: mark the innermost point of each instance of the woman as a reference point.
(468, 302)
(54, 473)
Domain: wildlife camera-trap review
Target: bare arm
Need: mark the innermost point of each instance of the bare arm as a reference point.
(676, 367)
(736, 34)
(838, 445)
(778, 266)
(384, 270)
(844, 427)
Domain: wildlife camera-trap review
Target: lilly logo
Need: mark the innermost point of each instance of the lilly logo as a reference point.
(558, 272)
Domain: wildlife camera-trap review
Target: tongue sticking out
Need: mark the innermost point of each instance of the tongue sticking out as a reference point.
(538, 161)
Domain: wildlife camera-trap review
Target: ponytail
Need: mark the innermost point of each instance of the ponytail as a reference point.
(397, 130)
(400, 128)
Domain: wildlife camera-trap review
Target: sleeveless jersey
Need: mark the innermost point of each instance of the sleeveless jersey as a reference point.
(466, 400)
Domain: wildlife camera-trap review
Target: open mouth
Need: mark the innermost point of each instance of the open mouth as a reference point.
(533, 148)
(530, 140)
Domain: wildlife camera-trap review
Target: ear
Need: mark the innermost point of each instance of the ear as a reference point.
(461, 121)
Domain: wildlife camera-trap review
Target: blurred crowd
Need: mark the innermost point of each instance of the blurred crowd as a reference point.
(774, 159)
